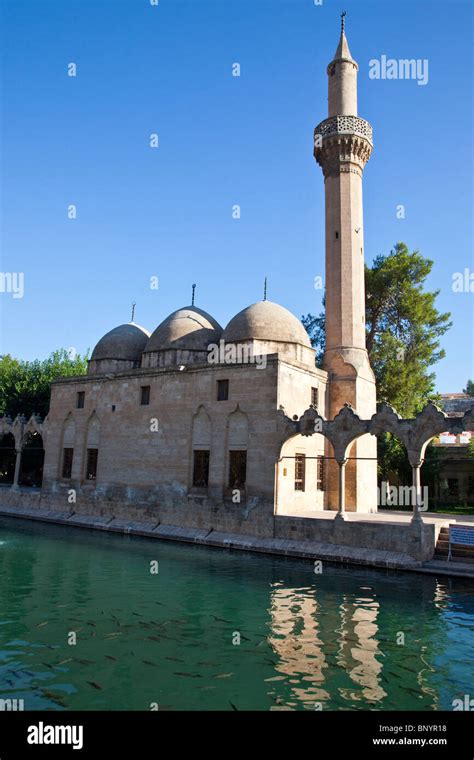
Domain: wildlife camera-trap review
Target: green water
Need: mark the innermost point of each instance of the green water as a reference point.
(171, 638)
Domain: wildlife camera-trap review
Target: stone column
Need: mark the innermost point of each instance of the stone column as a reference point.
(341, 514)
(417, 492)
(16, 476)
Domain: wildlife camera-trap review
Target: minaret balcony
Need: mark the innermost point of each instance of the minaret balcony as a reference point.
(343, 143)
(344, 125)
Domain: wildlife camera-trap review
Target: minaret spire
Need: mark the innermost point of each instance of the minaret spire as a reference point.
(192, 297)
(265, 290)
(133, 311)
(342, 84)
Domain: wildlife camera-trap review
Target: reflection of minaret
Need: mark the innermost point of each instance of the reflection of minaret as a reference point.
(295, 638)
(343, 144)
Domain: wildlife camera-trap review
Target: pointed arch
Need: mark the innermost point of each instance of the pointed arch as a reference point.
(201, 431)
(92, 447)
(68, 442)
(200, 454)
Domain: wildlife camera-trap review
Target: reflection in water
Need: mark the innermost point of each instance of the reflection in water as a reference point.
(299, 640)
(307, 642)
(295, 640)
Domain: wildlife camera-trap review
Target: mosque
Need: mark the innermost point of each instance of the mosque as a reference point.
(162, 426)
(232, 436)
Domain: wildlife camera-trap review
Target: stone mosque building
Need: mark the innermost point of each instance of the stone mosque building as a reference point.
(233, 437)
(157, 426)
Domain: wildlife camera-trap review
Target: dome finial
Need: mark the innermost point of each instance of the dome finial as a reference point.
(343, 14)
(133, 311)
(192, 297)
(265, 290)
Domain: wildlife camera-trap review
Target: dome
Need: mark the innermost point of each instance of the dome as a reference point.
(125, 342)
(188, 328)
(266, 320)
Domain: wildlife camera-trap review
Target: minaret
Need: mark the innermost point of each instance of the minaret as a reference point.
(342, 147)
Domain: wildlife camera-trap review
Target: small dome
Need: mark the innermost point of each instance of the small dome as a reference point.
(124, 342)
(188, 328)
(266, 320)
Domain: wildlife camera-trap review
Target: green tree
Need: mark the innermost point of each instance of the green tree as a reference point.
(403, 328)
(469, 389)
(25, 387)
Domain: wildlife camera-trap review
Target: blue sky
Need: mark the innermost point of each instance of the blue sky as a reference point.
(167, 212)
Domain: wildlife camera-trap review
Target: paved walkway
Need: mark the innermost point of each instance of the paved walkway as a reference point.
(385, 515)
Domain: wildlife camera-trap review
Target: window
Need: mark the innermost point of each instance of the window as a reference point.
(113, 407)
(320, 484)
(222, 390)
(201, 469)
(237, 469)
(300, 467)
(91, 465)
(145, 395)
(80, 399)
(67, 462)
(453, 487)
(315, 397)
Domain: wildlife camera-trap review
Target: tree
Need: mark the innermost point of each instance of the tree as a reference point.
(403, 328)
(469, 389)
(25, 387)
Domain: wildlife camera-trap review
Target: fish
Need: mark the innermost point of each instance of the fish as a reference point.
(221, 620)
(109, 635)
(189, 675)
(148, 662)
(90, 623)
(58, 698)
(47, 665)
(153, 638)
(94, 685)
(63, 662)
(109, 657)
(233, 706)
(138, 614)
(86, 662)
(176, 659)
(224, 675)
(40, 625)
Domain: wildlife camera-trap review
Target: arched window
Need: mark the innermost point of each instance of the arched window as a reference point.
(237, 442)
(7, 459)
(32, 458)
(92, 449)
(201, 448)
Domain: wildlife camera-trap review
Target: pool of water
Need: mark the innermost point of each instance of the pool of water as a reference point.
(213, 629)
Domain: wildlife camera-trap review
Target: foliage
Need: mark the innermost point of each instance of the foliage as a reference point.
(25, 386)
(403, 328)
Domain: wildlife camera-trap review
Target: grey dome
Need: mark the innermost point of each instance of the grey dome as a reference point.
(188, 328)
(266, 320)
(124, 342)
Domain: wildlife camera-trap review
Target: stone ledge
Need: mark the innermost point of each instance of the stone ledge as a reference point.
(312, 550)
